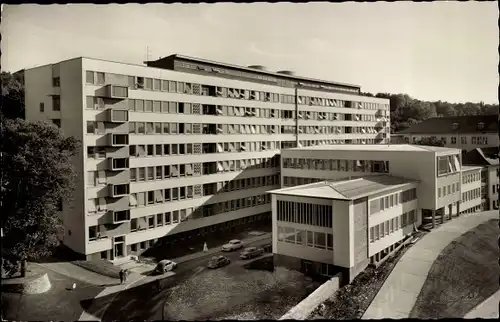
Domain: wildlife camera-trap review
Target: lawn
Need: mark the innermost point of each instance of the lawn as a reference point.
(57, 304)
(464, 275)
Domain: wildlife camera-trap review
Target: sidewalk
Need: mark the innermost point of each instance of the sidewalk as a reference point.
(399, 293)
(79, 273)
(486, 310)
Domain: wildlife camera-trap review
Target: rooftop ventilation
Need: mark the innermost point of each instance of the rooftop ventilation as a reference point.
(286, 72)
(258, 67)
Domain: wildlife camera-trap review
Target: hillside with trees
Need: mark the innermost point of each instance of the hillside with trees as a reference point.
(406, 111)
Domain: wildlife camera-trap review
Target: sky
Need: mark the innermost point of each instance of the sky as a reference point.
(432, 51)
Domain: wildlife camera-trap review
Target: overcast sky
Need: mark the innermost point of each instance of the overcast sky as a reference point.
(432, 51)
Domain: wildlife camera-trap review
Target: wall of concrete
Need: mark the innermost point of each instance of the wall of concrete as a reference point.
(302, 310)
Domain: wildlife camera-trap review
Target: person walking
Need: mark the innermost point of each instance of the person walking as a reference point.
(125, 275)
(205, 247)
(122, 276)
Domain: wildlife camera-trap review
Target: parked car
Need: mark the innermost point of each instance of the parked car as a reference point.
(218, 261)
(164, 266)
(232, 245)
(251, 252)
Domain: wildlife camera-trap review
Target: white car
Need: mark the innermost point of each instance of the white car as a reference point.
(165, 266)
(232, 245)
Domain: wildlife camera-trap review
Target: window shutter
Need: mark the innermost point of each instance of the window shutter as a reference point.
(133, 200)
(101, 177)
(91, 205)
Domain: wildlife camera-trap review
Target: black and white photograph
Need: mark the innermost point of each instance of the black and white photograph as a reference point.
(249, 161)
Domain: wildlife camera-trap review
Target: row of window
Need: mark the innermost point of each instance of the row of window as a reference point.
(337, 165)
(493, 188)
(304, 213)
(305, 238)
(393, 200)
(479, 140)
(448, 189)
(453, 140)
(388, 227)
(94, 127)
(471, 194)
(145, 83)
(169, 107)
(468, 178)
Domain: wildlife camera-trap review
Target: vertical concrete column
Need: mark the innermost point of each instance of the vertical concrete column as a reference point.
(450, 207)
(458, 208)
(433, 218)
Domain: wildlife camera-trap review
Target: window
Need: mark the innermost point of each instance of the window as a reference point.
(100, 78)
(42, 107)
(56, 81)
(56, 103)
(93, 232)
(89, 77)
(57, 122)
(133, 224)
(91, 127)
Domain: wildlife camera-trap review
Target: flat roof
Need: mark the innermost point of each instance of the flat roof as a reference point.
(195, 59)
(346, 189)
(375, 148)
(470, 167)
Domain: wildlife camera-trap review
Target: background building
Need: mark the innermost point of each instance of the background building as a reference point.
(366, 199)
(461, 132)
(487, 158)
(184, 147)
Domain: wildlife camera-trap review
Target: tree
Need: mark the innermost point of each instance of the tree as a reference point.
(37, 175)
(430, 141)
(12, 95)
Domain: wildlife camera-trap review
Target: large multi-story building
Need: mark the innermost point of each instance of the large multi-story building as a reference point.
(461, 132)
(184, 147)
(341, 207)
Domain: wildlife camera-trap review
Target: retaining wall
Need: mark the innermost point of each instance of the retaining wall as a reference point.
(302, 310)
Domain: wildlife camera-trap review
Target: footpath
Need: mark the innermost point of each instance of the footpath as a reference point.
(135, 279)
(486, 310)
(398, 295)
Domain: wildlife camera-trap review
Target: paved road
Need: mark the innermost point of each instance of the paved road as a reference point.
(142, 301)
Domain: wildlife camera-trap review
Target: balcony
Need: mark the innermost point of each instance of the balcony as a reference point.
(118, 164)
(118, 190)
(117, 140)
(116, 92)
(117, 116)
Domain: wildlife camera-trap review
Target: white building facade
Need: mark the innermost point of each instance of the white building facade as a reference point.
(329, 227)
(167, 152)
(376, 195)
(471, 189)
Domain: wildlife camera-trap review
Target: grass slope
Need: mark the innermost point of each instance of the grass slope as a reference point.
(464, 275)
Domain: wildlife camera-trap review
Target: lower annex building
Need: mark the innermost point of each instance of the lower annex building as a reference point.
(183, 147)
(341, 208)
